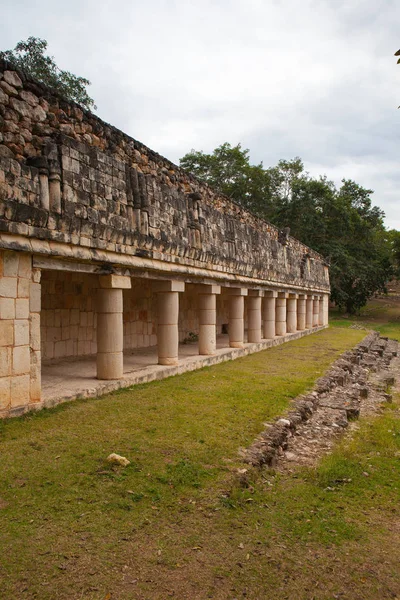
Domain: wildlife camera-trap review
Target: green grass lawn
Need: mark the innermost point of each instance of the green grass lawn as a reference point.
(381, 314)
(174, 523)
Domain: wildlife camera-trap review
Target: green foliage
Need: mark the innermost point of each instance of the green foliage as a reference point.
(229, 171)
(340, 223)
(393, 237)
(29, 56)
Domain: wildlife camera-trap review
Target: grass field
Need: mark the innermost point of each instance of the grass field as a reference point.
(174, 523)
(382, 314)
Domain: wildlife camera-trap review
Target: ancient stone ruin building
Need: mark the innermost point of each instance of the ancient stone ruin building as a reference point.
(110, 255)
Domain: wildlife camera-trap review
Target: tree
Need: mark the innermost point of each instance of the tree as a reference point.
(29, 56)
(339, 223)
(228, 170)
(393, 237)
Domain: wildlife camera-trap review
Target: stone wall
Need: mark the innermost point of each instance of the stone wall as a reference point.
(140, 316)
(68, 316)
(19, 331)
(67, 176)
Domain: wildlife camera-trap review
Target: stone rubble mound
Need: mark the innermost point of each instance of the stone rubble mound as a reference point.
(357, 381)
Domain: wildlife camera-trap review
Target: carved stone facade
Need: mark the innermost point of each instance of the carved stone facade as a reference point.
(106, 246)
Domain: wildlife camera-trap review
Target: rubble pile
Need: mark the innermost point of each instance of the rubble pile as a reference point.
(358, 381)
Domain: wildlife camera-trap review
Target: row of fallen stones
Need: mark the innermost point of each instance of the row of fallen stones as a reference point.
(358, 380)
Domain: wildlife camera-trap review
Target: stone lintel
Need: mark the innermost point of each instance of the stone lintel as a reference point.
(283, 294)
(150, 268)
(302, 296)
(271, 294)
(115, 282)
(170, 285)
(237, 291)
(55, 264)
(204, 288)
(256, 293)
(293, 296)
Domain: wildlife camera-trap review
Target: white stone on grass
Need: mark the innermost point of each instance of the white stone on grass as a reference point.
(118, 460)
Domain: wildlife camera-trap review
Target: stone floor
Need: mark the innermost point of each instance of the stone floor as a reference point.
(67, 379)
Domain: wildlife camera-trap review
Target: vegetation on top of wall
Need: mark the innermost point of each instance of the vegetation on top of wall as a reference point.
(29, 56)
(340, 223)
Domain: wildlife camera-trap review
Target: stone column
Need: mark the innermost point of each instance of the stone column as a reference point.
(325, 320)
(208, 318)
(236, 317)
(55, 188)
(269, 314)
(309, 311)
(254, 316)
(301, 312)
(291, 322)
(321, 311)
(168, 317)
(110, 334)
(315, 311)
(280, 326)
(41, 163)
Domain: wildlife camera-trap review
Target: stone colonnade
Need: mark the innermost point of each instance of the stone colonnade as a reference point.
(253, 314)
(270, 313)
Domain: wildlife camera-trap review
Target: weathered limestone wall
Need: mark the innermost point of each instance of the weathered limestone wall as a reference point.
(222, 312)
(188, 313)
(19, 332)
(68, 317)
(140, 315)
(67, 176)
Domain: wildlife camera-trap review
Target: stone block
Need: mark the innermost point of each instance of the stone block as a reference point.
(21, 308)
(25, 266)
(60, 349)
(8, 287)
(21, 360)
(237, 291)
(6, 333)
(36, 275)
(29, 98)
(10, 264)
(12, 78)
(36, 389)
(5, 392)
(5, 362)
(35, 331)
(23, 287)
(21, 332)
(57, 318)
(74, 317)
(54, 334)
(115, 282)
(35, 297)
(20, 390)
(7, 308)
(48, 350)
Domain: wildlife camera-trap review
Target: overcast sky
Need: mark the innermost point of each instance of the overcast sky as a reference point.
(309, 78)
